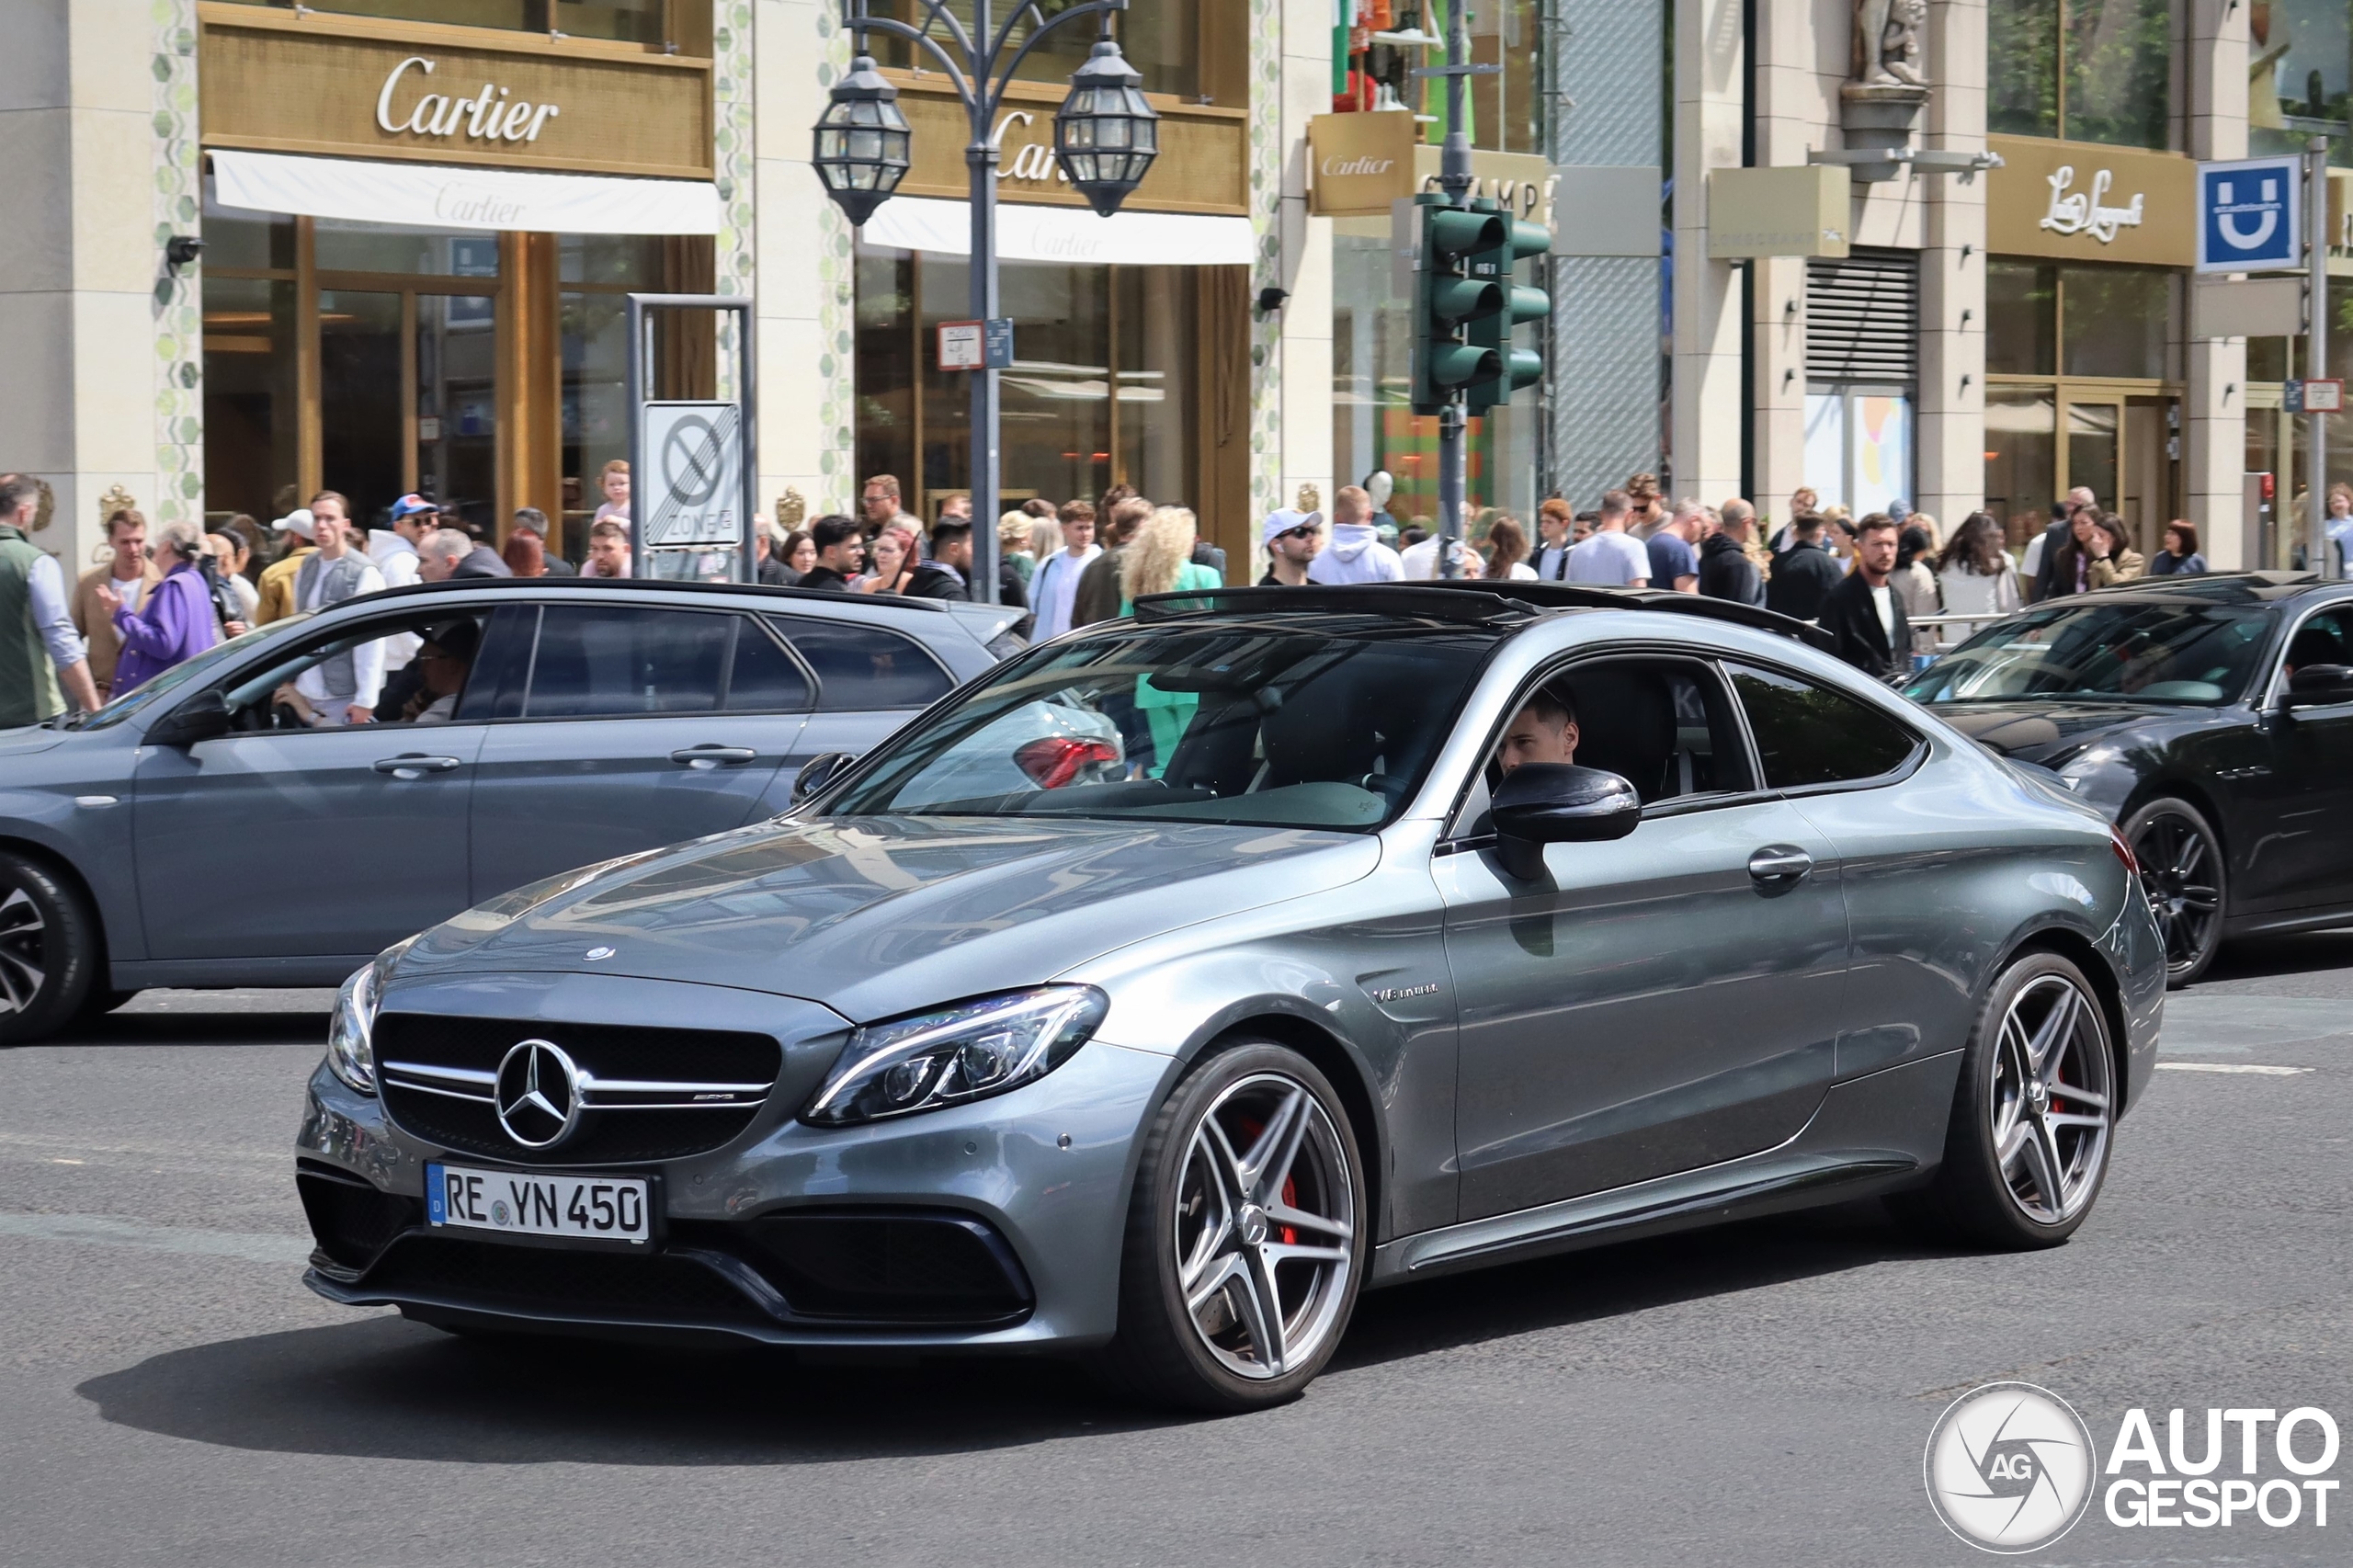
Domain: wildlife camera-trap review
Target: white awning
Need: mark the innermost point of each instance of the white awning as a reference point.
(1026, 231)
(448, 195)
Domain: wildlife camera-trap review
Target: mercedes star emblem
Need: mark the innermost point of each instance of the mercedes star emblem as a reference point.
(596, 953)
(537, 1094)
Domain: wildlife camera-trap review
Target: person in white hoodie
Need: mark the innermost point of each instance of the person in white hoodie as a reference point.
(1356, 554)
(393, 551)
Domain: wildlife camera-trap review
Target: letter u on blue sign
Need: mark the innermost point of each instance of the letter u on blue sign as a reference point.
(2247, 215)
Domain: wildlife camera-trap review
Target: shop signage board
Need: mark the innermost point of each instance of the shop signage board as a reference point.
(2082, 202)
(694, 493)
(293, 81)
(2314, 396)
(2248, 215)
(1362, 162)
(976, 346)
(1202, 165)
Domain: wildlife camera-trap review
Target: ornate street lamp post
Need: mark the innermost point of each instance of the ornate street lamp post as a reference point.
(1106, 136)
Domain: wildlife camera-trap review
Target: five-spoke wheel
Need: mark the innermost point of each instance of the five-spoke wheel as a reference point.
(48, 950)
(2027, 1145)
(2183, 873)
(1246, 1240)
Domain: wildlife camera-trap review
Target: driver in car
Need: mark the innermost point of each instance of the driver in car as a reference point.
(1544, 729)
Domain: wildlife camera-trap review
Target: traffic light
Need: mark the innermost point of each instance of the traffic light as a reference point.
(1515, 367)
(1449, 294)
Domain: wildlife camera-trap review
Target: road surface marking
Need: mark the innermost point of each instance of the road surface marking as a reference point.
(2228, 1067)
(99, 1230)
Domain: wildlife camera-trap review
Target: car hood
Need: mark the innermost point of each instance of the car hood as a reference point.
(24, 740)
(2029, 732)
(878, 916)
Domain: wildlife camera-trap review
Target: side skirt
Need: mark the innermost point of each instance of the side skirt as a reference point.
(1871, 1134)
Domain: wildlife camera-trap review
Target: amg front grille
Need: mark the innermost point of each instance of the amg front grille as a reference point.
(659, 1287)
(352, 1218)
(643, 1093)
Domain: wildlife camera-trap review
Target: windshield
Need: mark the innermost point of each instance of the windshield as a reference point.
(1331, 726)
(180, 674)
(2152, 650)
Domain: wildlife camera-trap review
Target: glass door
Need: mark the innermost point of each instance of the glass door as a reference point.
(2095, 427)
(2151, 453)
(362, 364)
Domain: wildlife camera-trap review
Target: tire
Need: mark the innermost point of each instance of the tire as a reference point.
(50, 950)
(2183, 871)
(1250, 1188)
(2022, 1042)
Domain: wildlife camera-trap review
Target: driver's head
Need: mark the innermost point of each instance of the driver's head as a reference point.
(446, 654)
(1544, 729)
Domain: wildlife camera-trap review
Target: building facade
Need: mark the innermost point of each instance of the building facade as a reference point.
(418, 218)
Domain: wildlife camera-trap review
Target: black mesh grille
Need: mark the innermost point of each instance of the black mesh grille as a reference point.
(893, 1267)
(351, 1219)
(657, 1286)
(606, 1135)
(1862, 317)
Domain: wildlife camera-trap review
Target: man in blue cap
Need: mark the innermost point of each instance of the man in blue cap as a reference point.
(393, 549)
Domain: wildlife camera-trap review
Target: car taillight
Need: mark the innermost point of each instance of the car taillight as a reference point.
(2116, 841)
(1054, 761)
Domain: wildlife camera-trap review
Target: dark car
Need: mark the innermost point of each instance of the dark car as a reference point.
(2211, 718)
(202, 831)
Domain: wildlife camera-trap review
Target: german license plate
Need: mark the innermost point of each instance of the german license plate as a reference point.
(602, 1208)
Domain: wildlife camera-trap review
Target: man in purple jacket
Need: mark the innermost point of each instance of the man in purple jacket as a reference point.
(175, 623)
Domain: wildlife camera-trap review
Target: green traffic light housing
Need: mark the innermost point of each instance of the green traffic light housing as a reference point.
(1515, 367)
(1449, 294)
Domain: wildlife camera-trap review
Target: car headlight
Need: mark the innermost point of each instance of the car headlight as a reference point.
(965, 1052)
(350, 1056)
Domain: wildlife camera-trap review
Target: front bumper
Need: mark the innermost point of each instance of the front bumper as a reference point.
(997, 1223)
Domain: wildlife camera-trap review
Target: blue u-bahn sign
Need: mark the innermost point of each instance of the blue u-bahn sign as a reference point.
(2247, 215)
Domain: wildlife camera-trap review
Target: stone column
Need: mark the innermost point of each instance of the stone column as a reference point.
(2214, 409)
(1796, 109)
(1303, 378)
(1705, 418)
(801, 270)
(103, 361)
(1951, 462)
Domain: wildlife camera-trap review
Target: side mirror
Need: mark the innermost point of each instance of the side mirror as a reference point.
(203, 717)
(1556, 802)
(2319, 685)
(818, 772)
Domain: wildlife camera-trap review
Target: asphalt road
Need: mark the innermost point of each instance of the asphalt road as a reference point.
(170, 1394)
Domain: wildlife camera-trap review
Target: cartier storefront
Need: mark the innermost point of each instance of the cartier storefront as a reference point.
(417, 236)
(1131, 333)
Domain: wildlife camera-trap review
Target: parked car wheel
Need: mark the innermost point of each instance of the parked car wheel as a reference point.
(2033, 1117)
(48, 950)
(1246, 1236)
(2183, 871)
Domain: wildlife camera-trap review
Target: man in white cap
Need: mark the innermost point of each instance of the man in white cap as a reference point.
(294, 531)
(393, 549)
(1356, 554)
(1292, 539)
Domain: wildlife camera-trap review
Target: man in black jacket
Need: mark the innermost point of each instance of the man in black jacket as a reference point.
(1805, 574)
(841, 551)
(1725, 570)
(1864, 612)
(948, 575)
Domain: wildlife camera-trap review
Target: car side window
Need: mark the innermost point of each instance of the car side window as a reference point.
(1809, 735)
(861, 668)
(1665, 725)
(2325, 639)
(764, 679)
(412, 670)
(611, 661)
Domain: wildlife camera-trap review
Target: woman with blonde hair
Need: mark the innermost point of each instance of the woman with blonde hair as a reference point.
(1045, 537)
(1013, 531)
(1159, 561)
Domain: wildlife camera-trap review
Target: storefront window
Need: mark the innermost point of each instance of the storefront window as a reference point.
(2022, 319)
(2297, 56)
(2114, 321)
(1101, 392)
(249, 400)
(346, 246)
(630, 21)
(2082, 70)
(1188, 49)
(2021, 466)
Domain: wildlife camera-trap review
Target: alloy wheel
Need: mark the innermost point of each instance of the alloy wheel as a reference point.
(2052, 1099)
(1266, 1215)
(2181, 873)
(22, 966)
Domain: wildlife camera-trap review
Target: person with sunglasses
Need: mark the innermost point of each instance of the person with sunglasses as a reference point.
(1292, 537)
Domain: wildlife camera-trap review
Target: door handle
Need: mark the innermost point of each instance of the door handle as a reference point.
(1779, 863)
(416, 766)
(707, 757)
